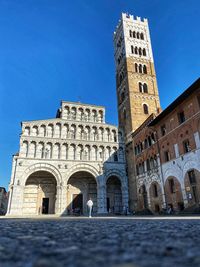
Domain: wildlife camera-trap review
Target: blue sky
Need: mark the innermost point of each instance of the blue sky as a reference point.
(62, 50)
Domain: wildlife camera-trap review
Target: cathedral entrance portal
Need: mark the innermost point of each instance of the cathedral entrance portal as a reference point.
(45, 205)
(80, 187)
(39, 194)
(77, 202)
(114, 195)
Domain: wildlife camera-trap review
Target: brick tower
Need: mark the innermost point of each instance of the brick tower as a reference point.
(137, 90)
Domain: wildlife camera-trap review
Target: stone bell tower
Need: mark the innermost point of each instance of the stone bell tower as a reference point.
(137, 90)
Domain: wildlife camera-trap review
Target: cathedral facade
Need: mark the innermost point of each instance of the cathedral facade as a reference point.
(63, 162)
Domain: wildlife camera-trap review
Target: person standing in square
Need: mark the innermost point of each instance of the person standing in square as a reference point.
(90, 205)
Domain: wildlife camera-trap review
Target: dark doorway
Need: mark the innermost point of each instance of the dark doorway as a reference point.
(77, 203)
(45, 205)
(145, 199)
(108, 204)
(157, 208)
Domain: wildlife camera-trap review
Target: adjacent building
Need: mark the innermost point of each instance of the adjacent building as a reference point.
(162, 148)
(3, 201)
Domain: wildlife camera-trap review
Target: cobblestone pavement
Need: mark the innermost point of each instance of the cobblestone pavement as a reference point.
(71, 242)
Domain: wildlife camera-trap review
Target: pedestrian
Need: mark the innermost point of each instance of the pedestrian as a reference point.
(90, 205)
(169, 209)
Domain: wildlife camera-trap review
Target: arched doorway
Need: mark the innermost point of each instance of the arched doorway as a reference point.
(174, 197)
(155, 197)
(114, 195)
(40, 193)
(81, 187)
(192, 186)
(142, 198)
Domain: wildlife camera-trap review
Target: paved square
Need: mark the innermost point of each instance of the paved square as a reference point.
(42, 242)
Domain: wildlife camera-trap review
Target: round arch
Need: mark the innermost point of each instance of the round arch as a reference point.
(118, 174)
(173, 193)
(114, 194)
(82, 168)
(173, 171)
(155, 194)
(189, 165)
(192, 186)
(42, 167)
(39, 194)
(81, 186)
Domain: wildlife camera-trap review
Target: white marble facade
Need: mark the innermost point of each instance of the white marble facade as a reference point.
(59, 159)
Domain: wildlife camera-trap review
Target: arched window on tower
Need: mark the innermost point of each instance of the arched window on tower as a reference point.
(140, 87)
(140, 68)
(138, 35)
(141, 36)
(144, 69)
(130, 33)
(145, 88)
(132, 49)
(144, 52)
(140, 51)
(136, 50)
(136, 67)
(146, 109)
(134, 34)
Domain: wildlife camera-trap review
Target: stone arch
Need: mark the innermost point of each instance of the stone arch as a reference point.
(42, 130)
(173, 171)
(82, 167)
(32, 149)
(81, 186)
(48, 150)
(87, 152)
(101, 115)
(87, 114)
(42, 167)
(24, 148)
(124, 186)
(155, 194)
(189, 165)
(117, 173)
(58, 128)
(107, 153)
(101, 133)
(114, 194)
(27, 130)
(39, 196)
(192, 186)
(65, 130)
(173, 193)
(94, 115)
(50, 130)
(73, 112)
(35, 130)
(64, 151)
(94, 153)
